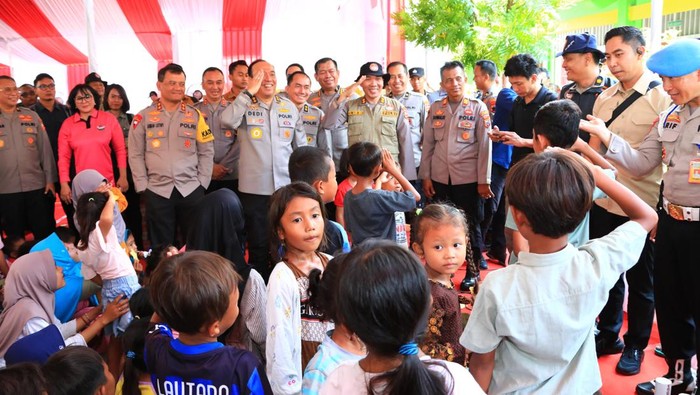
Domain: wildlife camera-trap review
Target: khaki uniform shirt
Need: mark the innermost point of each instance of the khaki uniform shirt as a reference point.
(633, 125)
(316, 136)
(268, 134)
(673, 141)
(226, 149)
(385, 124)
(169, 151)
(456, 145)
(337, 137)
(26, 158)
(417, 110)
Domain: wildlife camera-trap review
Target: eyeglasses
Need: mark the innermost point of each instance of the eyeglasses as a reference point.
(83, 98)
(45, 87)
(8, 90)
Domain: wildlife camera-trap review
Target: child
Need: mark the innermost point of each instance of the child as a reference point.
(340, 344)
(369, 212)
(294, 328)
(102, 253)
(531, 329)
(387, 182)
(77, 370)
(347, 184)
(315, 167)
(11, 247)
(196, 294)
(384, 298)
(22, 378)
(440, 240)
(135, 379)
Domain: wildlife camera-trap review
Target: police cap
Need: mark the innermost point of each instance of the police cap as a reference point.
(371, 68)
(677, 59)
(416, 72)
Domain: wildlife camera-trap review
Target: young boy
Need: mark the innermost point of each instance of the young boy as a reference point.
(315, 167)
(196, 294)
(369, 212)
(531, 329)
(556, 125)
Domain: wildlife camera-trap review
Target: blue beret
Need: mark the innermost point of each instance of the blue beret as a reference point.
(677, 59)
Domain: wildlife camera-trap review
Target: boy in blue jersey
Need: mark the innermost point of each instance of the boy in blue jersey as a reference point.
(196, 293)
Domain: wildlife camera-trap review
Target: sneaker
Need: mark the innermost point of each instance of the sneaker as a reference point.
(483, 265)
(604, 346)
(630, 361)
(687, 386)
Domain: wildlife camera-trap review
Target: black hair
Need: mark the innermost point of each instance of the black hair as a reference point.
(74, 370)
(42, 76)
(7, 77)
(158, 253)
(543, 70)
(126, 106)
(233, 65)
(253, 63)
(88, 212)
(294, 65)
(323, 289)
(278, 205)
(208, 69)
(152, 93)
(133, 342)
(26, 86)
(552, 190)
(82, 88)
(521, 65)
(22, 378)
(140, 303)
(451, 65)
(559, 121)
(343, 170)
(290, 77)
(26, 247)
(309, 164)
(322, 61)
(488, 67)
(66, 234)
(172, 68)
(385, 299)
(630, 35)
(363, 158)
(9, 244)
(392, 64)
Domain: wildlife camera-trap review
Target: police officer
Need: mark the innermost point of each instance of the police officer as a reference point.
(226, 151)
(269, 128)
(417, 76)
(327, 75)
(674, 140)
(238, 74)
(374, 118)
(27, 168)
(416, 109)
(582, 60)
(456, 162)
(170, 154)
(95, 82)
(298, 90)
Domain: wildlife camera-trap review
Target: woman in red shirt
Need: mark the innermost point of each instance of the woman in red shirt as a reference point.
(90, 135)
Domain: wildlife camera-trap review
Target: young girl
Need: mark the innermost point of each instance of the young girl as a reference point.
(135, 379)
(384, 298)
(294, 329)
(340, 344)
(440, 240)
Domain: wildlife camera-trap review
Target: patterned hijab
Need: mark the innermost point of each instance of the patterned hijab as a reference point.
(29, 293)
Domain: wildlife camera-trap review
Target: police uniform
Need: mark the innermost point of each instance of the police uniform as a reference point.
(171, 159)
(384, 124)
(26, 166)
(268, 134)
(226, 149)
(416, 109)
(316, 136)
(457, 157)
(585, 99)
(338, 137)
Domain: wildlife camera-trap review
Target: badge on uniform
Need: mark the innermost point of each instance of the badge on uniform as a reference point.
(309, 139)
(149, 134)
(30, 140)
(2, 143)
(137, 120)
(287, 134)
(29, 130)
(465, 136)
(694, 171)
(287, 123)
(283, 110)
(154, 119)
(155, 143)
(160, 133)
(256, 133)
(438, 124)
(188, 143)
(228, 134)
(465, 125)
(440, 112)
(468, 111)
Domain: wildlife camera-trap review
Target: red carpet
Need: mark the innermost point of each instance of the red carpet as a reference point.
(613, 383)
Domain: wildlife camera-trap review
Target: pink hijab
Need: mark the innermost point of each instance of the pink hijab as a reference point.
(29, 293)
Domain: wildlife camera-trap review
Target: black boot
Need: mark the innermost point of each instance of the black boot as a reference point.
(682, 380)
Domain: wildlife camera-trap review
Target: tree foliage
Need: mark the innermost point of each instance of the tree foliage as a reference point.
(483, 29)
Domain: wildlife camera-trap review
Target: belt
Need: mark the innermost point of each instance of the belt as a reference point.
(681, 213)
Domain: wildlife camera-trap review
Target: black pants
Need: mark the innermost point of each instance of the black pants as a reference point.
(166, 215)
(32, 210)
(132, 215)
(255, 208)
(640, 304)
(466, 197)
(215, 185)
(495, 213)
(677, 286)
